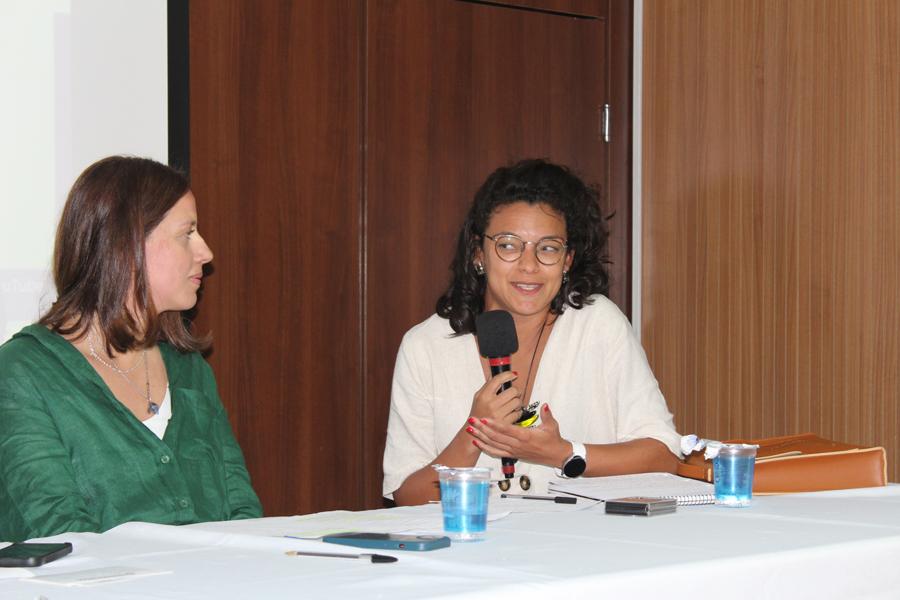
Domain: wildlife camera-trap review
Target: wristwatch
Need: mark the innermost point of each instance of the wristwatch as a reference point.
(575, 465)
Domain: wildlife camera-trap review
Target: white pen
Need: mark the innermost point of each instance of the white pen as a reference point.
(375, 558)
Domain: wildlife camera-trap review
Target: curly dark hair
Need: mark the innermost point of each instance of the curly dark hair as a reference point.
(534, 181)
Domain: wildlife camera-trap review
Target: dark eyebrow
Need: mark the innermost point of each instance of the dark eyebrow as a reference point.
(546, 237)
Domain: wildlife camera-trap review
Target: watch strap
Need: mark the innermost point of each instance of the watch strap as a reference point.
(578, 450)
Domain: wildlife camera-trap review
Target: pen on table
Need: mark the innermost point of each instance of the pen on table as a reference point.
(375, 558)
(556, 499)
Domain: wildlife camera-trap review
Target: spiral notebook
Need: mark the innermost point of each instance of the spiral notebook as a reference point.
(651, 485)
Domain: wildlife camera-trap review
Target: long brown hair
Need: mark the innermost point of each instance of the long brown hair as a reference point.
(98, 260)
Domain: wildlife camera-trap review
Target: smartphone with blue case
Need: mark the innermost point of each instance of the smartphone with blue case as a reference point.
(389, 541)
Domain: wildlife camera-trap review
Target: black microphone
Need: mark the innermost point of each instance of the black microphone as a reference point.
(497, 341)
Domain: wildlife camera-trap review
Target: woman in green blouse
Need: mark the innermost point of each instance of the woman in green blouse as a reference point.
(108, 413)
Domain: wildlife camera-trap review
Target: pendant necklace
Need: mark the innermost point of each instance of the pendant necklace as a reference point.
(529, 412)
(152, 407)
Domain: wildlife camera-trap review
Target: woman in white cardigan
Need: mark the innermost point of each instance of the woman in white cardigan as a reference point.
(532, 245)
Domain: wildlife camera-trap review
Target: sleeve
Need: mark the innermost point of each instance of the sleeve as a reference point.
(242, 501)
(410, 437)
(641, 407)
(38, 489)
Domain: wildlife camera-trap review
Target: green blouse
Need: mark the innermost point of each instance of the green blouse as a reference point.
(73, 458)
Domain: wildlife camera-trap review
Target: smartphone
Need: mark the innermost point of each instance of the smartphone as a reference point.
(389, 541)
(32, 555)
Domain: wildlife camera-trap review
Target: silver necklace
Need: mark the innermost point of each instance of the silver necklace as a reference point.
(152, 407)
(113, 366)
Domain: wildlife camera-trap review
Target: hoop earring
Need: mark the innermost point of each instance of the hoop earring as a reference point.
(479, 268)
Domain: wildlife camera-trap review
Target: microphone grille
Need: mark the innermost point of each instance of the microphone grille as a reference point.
(496, 333)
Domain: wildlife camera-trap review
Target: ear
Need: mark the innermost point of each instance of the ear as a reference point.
(570, 258)
(478, 256)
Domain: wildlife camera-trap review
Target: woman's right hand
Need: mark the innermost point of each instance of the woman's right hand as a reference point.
(505, 407)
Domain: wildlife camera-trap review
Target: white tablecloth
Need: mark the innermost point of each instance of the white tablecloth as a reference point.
(825, 545)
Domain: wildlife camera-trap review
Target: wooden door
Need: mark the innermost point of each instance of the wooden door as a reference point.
(454, 90)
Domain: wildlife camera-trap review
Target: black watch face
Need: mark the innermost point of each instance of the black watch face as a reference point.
(575, 467)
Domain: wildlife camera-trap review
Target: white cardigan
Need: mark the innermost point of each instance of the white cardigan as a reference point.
(593, 374)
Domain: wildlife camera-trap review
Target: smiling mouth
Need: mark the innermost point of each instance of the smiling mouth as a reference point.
(528, 287)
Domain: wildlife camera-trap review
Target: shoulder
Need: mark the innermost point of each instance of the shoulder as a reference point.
(186, 360)
(433, 331)
(598, 325)
(31, 347)
(186, 369)
(37, 362)
(433, 342)
(23, 341)
(601, 312)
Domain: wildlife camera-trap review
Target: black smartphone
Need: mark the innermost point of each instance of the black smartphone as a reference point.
(32, 555)
(389, 541)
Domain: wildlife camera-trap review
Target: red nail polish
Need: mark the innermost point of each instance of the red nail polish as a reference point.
(472, 420)
(546, 408)
(516, 373)
(484, 421)
(475, 443)
(469, 429)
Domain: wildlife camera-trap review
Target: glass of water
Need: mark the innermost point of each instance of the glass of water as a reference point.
(733, 474)
(464, 501)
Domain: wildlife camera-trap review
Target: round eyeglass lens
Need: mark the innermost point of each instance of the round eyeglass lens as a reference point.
(549, 251)
(509, 248)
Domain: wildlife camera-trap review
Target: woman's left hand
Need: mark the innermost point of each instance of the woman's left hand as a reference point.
(540, 445)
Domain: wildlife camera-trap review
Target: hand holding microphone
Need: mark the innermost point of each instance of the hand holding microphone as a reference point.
(500, 405)
(497, 341)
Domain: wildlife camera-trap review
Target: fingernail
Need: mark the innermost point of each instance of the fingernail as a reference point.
(516, 373)
(484, 421)
(475, 443)
(469, 429)
(546, 408)
(472, 420)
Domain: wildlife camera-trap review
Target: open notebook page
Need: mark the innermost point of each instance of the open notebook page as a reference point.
(651, 485)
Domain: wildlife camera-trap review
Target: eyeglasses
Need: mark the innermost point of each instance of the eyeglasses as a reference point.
(509, 247)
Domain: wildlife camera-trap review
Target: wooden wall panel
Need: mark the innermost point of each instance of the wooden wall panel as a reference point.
(334, 149)
(275, 138)
(455, 90)
(771, 216)
(593, 8)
